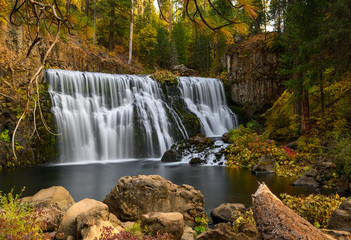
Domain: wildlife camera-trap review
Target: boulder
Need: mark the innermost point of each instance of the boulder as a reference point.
(83, 213)
(340, 219)
(99, 229)
(221, 231)
(54, 197)
(226, 212)
(170, 156)
(134, 196)
(52, 203)
(265, 165)
(171, 222)
(188, 234)
(197, 160)
(308, 179)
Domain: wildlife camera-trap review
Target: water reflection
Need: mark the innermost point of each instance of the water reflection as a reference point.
(218, 184)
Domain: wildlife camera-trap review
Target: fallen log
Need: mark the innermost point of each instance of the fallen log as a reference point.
(274, 220)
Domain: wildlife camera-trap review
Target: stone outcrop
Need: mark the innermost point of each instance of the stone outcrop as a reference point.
(183, 70)
(170, 222)
(253, 73)
(308, 179)
(134, 196)
(226, 212)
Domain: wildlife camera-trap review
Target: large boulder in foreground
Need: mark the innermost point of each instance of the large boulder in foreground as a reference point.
(80, 215)
(134, 196)
(274, 220)
(52, 203)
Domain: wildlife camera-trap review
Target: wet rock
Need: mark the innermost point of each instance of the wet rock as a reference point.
(170, 156)
(265, 165)
(225, 138)
(194, 161)
(134, 196)
(226, 212)
(170, 222)
(340, 219)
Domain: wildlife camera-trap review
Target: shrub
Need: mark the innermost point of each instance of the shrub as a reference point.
(244, 217)
(165, 77)
(134, 233)
(315, 208)
(201, 223)
(19, 221)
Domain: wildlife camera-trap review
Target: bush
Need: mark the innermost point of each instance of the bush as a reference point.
(19, 221)
(315, 208)
(248, 147)
(165, 77)
(244, 217)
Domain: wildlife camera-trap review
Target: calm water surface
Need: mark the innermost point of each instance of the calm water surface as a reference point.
(218, 184)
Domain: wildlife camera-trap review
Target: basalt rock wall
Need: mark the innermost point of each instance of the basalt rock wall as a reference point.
(254, 79)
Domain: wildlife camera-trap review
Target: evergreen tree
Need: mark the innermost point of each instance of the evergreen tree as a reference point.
(162, 50)
(179, 38)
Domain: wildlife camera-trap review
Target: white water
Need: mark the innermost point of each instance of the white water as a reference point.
(104, 116)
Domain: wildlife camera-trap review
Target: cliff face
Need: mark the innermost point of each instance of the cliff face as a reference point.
(253, 73)
(34, 144)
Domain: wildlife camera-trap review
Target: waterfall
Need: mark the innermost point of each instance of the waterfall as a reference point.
(104, 116)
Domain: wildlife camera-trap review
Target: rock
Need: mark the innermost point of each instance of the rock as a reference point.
(170, 156)
(226, 212)
(188, 234)
(265, 165)
(225, 138)
(200, 140)
(308, 179)
(343, 184)
(197, 160)
(134, 196)
(87, 211)
(311, 173)
(248, 231)
(326, 170)
(340, 219)
(52, 203)
(171, 222)
(222, 231)
(274, 220)
(339, 235)
(183, 70)
(94, 232)
(54, 197)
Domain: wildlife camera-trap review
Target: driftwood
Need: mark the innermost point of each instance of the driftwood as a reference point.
(276, 221)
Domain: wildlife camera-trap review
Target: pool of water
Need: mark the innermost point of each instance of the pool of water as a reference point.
(218, 184)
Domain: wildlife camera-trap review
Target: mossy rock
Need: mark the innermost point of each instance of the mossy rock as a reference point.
(165, 77)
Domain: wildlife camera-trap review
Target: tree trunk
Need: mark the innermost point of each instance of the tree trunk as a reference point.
(274, 220)
(111, 37)
(131, 35)
(170, 16)
(94, 24)
(86, 7)
(305, 117)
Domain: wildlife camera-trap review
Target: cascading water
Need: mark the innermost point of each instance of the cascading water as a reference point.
(103, 116)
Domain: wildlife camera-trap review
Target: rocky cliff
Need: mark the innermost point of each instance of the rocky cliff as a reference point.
(252, 65)
(71, 53)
